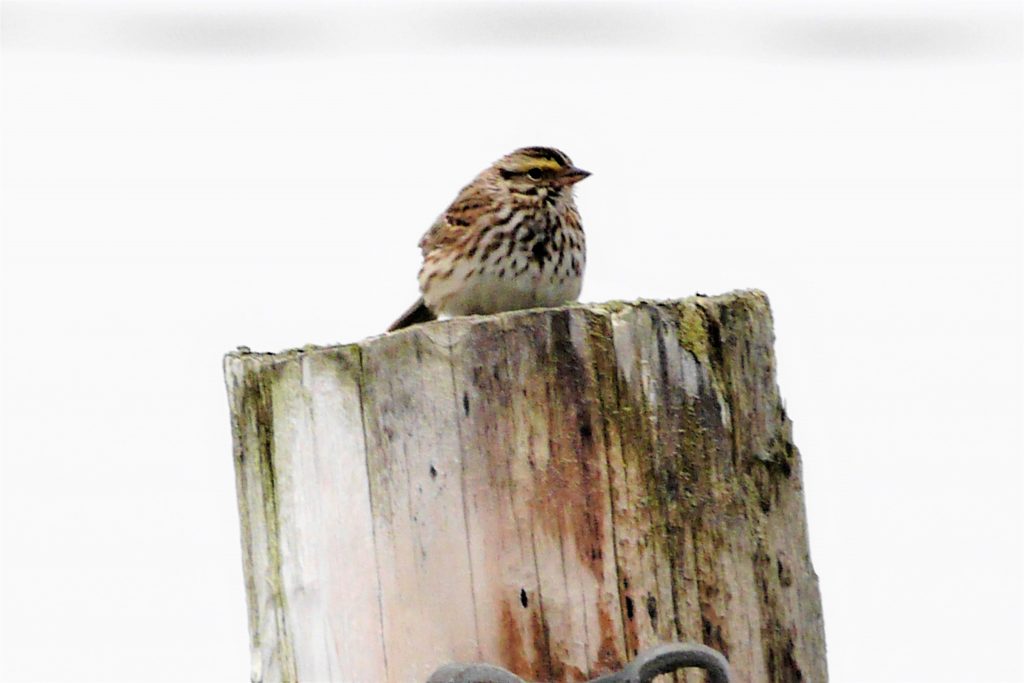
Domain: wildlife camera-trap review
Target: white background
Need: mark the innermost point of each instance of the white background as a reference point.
(179, 179)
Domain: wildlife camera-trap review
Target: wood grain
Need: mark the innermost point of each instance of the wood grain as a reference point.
(550, 491)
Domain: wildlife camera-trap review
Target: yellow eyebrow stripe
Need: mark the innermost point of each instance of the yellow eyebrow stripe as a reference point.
(531, 162)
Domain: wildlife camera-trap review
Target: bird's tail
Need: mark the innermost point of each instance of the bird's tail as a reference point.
(417, 313)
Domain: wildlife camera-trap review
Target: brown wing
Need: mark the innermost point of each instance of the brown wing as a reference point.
(475, 200)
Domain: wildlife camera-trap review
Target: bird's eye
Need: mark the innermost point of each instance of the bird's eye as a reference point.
(535, 173)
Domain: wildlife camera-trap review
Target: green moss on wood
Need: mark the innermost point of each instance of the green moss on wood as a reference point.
(714, 463)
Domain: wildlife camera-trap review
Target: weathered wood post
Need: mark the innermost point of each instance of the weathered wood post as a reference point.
(547, 490)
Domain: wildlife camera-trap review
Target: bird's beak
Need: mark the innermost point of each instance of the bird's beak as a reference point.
(571, 176)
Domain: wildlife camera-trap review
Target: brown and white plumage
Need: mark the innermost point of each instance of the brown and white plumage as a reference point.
(512, 239)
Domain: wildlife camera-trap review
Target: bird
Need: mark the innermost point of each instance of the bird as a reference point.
(511, 239)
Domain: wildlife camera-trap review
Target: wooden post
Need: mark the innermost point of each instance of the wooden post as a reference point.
(549, 491)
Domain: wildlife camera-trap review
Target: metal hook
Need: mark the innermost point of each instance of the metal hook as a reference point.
(661, 659)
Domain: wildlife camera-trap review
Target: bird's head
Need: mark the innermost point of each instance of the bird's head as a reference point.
(538, 171)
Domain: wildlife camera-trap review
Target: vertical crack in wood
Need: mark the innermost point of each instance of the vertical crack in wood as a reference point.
(705, 588)
(235, 377)
(666, 483)
(560, 355)
(462, 486)
(306, 394)
(601, 335)
(541, 639)
(699, 524)
(373, 527)
(558, 659)
(260, 398)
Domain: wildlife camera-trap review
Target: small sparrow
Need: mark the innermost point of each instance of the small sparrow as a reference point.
(512, 239)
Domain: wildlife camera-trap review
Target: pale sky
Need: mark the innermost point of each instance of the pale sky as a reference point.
(180, 179)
